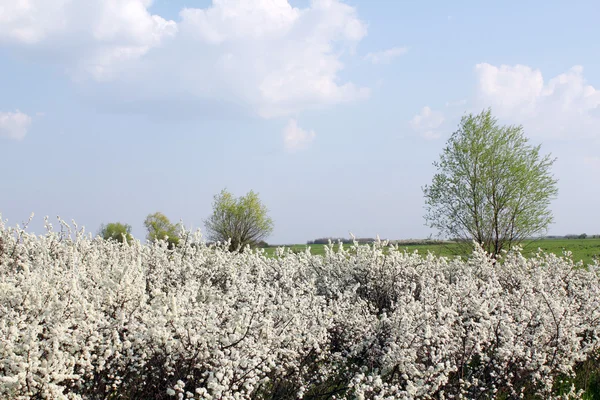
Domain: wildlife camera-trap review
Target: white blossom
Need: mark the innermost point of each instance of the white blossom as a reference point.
(81, 317)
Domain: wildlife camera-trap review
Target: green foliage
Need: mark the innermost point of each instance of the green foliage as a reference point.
(242, 220)
(160, 228)
(116, 231)
(492, 186)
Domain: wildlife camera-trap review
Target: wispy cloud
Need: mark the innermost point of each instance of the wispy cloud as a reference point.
(14, 125)
(296, 138)
(427, 122)
(386, 56)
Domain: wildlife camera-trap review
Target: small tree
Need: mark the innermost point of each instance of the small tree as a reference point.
(244, 220)
(491, 186)
(160, 228)
(116, 231)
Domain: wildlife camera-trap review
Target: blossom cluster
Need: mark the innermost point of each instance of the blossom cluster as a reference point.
(83, 318)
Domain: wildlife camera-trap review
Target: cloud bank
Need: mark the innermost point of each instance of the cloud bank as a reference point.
(266, 55)
(562, 107)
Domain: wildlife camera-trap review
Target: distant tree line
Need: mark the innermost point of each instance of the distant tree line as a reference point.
(326, 240)
(575, 236)
(404, 242)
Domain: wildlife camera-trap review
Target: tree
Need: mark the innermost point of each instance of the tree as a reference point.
(116, 231)
(492, 186)
(244, 220)
(160, 228)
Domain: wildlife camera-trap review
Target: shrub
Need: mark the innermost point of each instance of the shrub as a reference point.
(84, 318)
(116, 231)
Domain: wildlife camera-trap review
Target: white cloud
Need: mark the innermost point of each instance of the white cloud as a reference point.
(563, 106)
(264, 55)
(91, 38)
(427, 122)
(385, 56)
(14, 125)
(296, 138)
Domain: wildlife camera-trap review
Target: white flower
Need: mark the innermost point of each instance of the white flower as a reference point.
(83, 317)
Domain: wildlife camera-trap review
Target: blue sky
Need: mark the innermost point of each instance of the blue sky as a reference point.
(332, 111)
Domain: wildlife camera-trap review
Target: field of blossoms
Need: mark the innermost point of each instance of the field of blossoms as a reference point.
(84, 318)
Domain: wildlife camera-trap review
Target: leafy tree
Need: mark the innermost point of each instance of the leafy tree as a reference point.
(116, 231)
(492, 186)
(160, 228)
(244, 220)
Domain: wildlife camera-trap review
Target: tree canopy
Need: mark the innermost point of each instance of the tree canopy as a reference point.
(242, 220)
(491, 186)
(116, 231)
(160, 228)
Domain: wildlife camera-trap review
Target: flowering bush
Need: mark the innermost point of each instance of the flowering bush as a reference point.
(81, 317)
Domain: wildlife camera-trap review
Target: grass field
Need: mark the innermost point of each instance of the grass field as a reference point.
(582, 249)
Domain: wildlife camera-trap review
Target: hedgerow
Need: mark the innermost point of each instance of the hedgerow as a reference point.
(86, 318)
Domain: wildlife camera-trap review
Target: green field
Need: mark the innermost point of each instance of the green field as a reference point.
(582, 249)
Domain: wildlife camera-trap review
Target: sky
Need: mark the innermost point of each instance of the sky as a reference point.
(333, 111)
